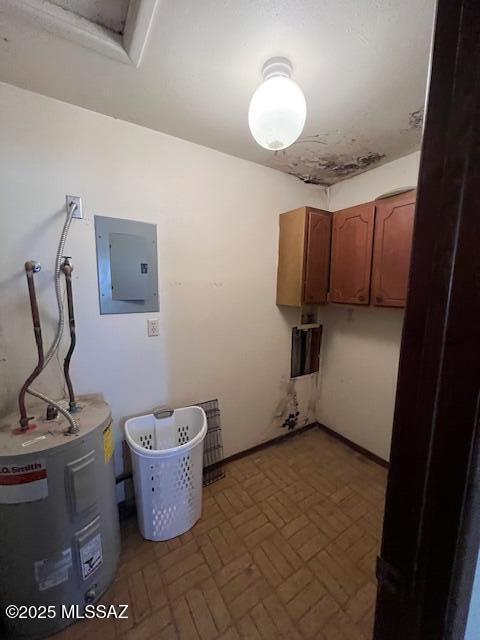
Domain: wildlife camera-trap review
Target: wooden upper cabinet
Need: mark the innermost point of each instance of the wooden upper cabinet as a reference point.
(317, 256)
(392, 249)
(351, 262)
(303, 257)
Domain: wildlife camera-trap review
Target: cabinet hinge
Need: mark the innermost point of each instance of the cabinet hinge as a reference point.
(389, 577)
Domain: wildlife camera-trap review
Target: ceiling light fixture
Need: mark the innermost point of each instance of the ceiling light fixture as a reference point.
(277, 111)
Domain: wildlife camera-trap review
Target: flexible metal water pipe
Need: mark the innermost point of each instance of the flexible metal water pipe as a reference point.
(58, 286)
(74, 426)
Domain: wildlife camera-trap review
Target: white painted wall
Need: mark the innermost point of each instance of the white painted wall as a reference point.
(361, 346)
(217, 217)
(221, 332)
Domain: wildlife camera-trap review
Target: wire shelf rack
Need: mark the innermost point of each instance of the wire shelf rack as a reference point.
(213, 468)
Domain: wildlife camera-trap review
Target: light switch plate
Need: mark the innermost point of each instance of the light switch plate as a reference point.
(153, 327)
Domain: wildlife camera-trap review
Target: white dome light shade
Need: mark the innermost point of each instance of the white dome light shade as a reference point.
(277, 112)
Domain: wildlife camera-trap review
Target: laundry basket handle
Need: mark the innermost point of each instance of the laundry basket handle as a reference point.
(162, 412)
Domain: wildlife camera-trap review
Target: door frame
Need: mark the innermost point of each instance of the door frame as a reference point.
(423, 592)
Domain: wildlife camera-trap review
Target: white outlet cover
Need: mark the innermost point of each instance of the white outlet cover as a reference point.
(153, 325)
(78, 213)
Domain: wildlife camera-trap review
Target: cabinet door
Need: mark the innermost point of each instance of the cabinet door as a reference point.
(317, 257)
(352, 254)
(392, 248)
(291, 257)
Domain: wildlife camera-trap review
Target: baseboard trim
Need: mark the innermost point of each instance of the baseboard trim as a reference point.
(264, 445)
(129, 510)
(353, 445)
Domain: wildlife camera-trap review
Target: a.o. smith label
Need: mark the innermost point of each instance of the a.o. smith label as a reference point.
(23, 483)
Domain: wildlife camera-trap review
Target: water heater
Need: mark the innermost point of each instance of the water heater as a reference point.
(59, 532)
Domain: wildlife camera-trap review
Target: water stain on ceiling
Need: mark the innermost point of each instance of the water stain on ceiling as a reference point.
(363, 72)
(326, 158)
(415, 119)
(326, 170)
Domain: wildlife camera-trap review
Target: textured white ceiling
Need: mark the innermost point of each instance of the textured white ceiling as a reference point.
(361, 63)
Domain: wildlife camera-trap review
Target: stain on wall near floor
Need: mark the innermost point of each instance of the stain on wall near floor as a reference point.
(296, 409)
(287, 411)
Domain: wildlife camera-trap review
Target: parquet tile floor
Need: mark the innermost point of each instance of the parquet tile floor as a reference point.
(285, 548)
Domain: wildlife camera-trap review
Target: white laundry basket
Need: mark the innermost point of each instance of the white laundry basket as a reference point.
(167, 457)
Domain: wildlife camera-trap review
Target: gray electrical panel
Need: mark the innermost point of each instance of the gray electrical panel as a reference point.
(127, 265)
